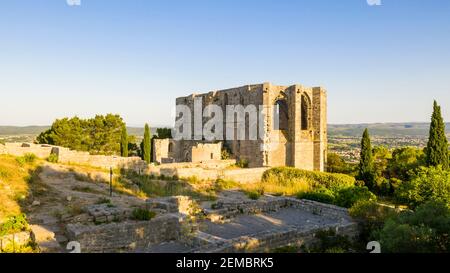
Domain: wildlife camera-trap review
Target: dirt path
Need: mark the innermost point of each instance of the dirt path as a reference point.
(67, 191)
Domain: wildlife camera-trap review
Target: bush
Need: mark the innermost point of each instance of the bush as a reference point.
(103, 200)
(53, 158)
(343, 198)
(27, 158)
(143, 214)
(422, 231)
(426, 184)
(254, 195)
(349, 196)
(330, 242)
(322, 195)
(242, 163)
(288, 175)
(221, 184)
(14, 224)
(30, 158)
(371, 217)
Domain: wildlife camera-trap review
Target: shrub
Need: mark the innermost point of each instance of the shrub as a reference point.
(344, 198)
(242, 163)
(225, 154)
(330, 242)
(14, 224)
(349, 196)
(221, 184)
(254, 195)
(425, 230)
(426, 184)
(143, 214)
(371, 217)
(103, 201)
(322, 195)
(27, 158)
(288, 175)
(30, 158)
(53, 158)
(21, 161)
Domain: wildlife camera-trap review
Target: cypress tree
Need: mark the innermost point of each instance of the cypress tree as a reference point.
(437, 147)
(366, 170)
(146, 145)
(124, 142)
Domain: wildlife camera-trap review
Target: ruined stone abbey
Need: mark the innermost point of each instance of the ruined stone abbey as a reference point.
(294, 126)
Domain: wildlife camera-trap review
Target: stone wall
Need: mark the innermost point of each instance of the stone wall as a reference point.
(271, 239)
(300, 142)
(127, 236)
(203, 152)
(66, 155)
(19, 149)
(208, 171)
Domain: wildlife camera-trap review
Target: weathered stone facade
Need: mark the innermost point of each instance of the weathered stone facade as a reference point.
(300, 140)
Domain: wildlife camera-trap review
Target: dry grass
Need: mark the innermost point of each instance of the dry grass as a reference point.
(14, 185)
(274, 188)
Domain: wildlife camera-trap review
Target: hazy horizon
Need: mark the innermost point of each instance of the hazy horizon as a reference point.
(379, 64)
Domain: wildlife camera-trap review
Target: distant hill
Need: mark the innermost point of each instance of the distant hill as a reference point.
(346, 130)
(36, 130)
(27, 130)
(383, 129)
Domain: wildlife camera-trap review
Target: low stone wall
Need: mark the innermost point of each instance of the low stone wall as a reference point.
(246, 175)
(127, 236)
(66, 155)
(19, 149)
(271, 239)
(326, 210)
(208, 170)
(103, 161)
(225, 210)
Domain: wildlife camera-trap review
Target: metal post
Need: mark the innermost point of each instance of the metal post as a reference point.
(110, 181)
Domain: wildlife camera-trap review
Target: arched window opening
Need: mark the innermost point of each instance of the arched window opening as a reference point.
(305, 112)
(170, 147)
(281, 115)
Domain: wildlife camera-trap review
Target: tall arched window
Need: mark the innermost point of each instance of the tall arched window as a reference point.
(305, 112)
(170, 147)
(281, 115)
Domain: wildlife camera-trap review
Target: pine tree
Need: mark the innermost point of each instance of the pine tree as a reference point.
(124, 142)
(146, 145)
(366, 170)
(437, 147)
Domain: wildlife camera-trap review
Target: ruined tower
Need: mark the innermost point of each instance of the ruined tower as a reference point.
(294, 127)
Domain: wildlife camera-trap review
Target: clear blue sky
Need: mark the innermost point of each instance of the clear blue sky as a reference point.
(134, 57)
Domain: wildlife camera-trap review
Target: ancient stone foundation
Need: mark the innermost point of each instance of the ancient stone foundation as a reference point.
(219, 231)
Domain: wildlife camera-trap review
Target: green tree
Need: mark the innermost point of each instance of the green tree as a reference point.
(146, 145)
(366, 170)
(162, 133)
(335, 163)
(426, 184)
(124, 142)
(99, 135)
(424, 230)
(437, 147)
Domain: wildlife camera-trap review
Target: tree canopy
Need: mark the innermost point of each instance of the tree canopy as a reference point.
(437, 147)
(99, 135)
